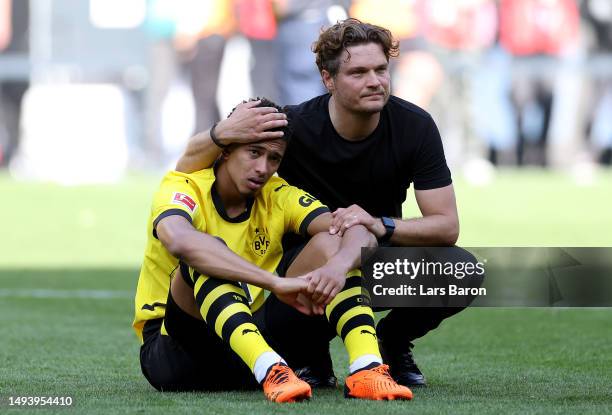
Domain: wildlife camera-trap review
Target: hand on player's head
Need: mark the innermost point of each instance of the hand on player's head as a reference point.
(254, 120)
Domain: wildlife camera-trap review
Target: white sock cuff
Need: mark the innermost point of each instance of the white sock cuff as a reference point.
(363, 361)
(263, 363)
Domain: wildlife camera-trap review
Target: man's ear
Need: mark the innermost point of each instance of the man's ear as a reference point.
(328, 81)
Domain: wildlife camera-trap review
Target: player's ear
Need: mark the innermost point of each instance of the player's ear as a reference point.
(225, 153)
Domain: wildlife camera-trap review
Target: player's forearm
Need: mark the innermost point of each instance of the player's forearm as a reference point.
(211, 257)
(348, 257)
(433, 230)
(200, 153)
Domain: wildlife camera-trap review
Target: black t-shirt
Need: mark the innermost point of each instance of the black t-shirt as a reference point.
(373, 173)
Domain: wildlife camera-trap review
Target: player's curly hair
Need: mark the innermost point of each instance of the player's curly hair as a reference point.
(265, 102)
(350, 32)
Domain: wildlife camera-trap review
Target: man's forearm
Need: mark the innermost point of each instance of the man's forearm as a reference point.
(200, 153)
(433, 230)
(246, 124)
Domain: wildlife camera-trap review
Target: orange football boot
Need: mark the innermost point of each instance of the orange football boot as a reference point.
(282, 385)
(375, 384)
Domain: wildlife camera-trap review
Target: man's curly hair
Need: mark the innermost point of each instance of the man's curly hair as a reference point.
(350, 32)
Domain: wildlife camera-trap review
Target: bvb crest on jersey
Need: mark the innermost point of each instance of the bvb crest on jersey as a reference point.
(260, 242)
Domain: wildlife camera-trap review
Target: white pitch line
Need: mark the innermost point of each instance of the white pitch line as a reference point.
(68, 294)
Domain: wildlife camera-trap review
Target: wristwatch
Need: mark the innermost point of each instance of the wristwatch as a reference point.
(389, 229)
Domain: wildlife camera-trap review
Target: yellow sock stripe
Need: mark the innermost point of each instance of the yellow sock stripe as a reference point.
(198, 284)
(354, 273)
(250, 345)
(355, 311)
(342, 295)
(215, 294)
(228, 312)
(361, 341)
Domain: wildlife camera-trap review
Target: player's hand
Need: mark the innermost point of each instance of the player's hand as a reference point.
(316, 309)
(344, 218)
(325, 283)
(290, 290)
(249, 124)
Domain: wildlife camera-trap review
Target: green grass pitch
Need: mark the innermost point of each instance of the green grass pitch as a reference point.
(69, 260)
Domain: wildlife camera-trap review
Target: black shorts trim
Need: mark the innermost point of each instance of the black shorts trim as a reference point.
(167, 213)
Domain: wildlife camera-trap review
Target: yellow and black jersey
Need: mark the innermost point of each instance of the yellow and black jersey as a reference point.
(255, 235)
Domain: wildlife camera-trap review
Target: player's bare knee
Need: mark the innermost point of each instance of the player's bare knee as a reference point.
(324, 245)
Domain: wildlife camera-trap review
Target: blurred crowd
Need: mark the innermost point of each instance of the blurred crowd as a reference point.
(509, 82)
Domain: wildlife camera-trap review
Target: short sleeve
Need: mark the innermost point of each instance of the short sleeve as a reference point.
(299, 208)
(431, 170)
(177, 195)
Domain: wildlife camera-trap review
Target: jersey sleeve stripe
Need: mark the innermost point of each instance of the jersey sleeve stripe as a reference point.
(310, 217)
(167, 213)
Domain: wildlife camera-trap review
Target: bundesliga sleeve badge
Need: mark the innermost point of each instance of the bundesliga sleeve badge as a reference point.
(185, 200)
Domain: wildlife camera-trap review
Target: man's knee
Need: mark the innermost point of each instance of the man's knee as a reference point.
(475, 278)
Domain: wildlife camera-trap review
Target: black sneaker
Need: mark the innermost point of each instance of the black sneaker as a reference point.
(317, 377)
(402, 366)
(320, 373)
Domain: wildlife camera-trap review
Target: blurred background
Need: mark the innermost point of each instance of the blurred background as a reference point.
(93, 89)
(99, 97)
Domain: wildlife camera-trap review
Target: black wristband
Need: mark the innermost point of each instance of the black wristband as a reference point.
(214, 138)
(389, 225)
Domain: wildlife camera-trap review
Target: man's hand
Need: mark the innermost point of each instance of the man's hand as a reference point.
(249, 124)
(344, 218)
(324, 284)
(288, 290)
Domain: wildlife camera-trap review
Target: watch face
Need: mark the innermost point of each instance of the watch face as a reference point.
(388, 222)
